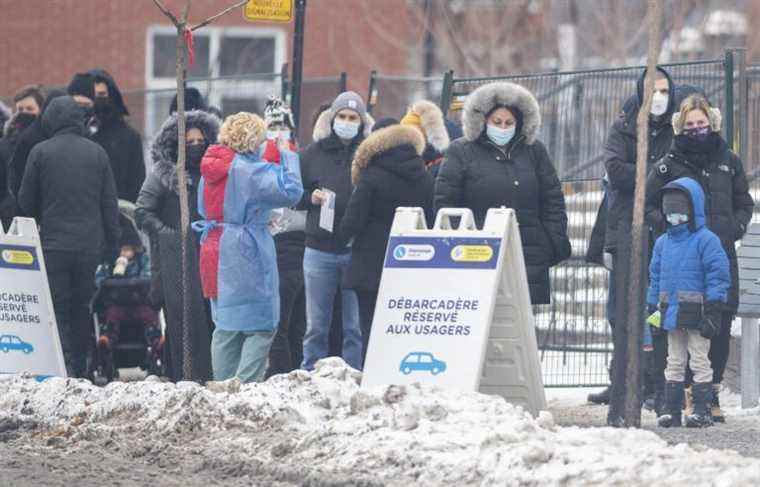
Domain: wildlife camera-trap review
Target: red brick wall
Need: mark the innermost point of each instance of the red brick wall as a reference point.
(46, 41)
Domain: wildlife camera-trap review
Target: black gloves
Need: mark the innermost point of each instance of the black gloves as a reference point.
(711, 319)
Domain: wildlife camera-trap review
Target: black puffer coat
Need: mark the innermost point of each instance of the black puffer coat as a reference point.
(158, 213)
(388, 173)
(620, 161)
(477, 174)
(728, 204)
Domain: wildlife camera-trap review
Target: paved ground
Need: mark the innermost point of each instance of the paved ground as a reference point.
(739, 433)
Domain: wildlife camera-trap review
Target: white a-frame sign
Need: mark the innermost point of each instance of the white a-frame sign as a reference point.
(454, 308)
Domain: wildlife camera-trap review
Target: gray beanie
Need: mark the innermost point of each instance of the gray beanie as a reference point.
(350, 100)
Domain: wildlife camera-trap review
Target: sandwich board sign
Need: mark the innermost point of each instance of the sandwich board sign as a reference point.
(454, 310)
(29, 341)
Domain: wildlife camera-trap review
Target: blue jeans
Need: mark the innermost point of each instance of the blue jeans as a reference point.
(323, 273)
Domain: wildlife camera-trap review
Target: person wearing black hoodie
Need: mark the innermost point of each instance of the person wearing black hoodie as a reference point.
(69, 189)
(388, 172)
(620, 164)
(699, 152)
(122, 142)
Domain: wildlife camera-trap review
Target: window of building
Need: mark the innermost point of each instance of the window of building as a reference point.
(236, 68)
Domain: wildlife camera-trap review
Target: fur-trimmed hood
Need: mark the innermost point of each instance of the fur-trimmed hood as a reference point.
(164, 148)
(382, 141)
(713, 115)
(484, 99)
(432, 123)
(323, 127)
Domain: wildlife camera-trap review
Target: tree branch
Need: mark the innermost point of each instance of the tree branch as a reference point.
(223, 12)
(166, 12)
(186, 12)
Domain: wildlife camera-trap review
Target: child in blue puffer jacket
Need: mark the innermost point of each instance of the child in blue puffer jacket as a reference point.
(689, 281)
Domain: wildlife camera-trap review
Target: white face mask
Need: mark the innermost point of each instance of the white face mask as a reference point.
(659, 104)
(676, 218)
(346, 130)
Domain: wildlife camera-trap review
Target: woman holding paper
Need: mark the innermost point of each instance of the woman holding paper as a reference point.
(326, 174)
(499, 162)
(388, 172)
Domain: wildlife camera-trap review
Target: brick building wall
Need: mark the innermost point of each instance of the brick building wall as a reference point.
(46, 41)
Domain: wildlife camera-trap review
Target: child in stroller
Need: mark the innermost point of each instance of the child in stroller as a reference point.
(127, 327)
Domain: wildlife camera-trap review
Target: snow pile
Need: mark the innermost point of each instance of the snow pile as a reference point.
(393, 435)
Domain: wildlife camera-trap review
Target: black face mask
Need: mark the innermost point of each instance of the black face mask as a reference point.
(194, 155)
(23, 120)
(104, 108)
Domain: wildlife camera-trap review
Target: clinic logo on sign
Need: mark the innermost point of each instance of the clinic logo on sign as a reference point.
(19, 257)
(414, 252)
(472, 253)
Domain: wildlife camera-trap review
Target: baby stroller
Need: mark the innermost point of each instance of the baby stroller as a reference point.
(139, 340)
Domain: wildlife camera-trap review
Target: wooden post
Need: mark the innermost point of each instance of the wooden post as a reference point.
(750, 362)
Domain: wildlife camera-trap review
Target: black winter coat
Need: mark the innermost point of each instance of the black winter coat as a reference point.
(389, 173)
(124, 147)
(326, 164)
(728, 203)
(620, 162)
(68, 186)
(478, 175)
(158, 213)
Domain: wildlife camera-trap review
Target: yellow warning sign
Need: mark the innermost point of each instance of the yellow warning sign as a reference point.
(268, 10)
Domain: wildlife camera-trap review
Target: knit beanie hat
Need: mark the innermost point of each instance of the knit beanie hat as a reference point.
(276, 111)
(82, 84)
(350, 100)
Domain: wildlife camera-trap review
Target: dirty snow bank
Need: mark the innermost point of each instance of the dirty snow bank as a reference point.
(393, 435)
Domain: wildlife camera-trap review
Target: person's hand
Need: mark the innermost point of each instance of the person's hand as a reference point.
(317, 197)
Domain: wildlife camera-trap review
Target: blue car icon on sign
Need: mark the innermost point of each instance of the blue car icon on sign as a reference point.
(423, 362)
(12, 342)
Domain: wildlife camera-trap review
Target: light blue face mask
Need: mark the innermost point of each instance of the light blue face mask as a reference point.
(500, 136)
(676, 218)
(346, 130)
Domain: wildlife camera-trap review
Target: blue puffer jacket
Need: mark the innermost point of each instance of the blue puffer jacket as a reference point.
(689, 267)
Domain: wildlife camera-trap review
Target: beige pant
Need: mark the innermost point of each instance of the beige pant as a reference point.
(688, 345)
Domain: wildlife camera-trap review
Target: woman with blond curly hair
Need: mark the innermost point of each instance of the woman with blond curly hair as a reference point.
(699, 152)
(238, 261)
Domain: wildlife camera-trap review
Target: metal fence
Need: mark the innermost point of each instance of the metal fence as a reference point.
(389, 96)
(578, 108)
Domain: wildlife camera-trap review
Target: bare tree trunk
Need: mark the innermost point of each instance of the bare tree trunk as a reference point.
(182, 26)
(639, 246)
(184, 204)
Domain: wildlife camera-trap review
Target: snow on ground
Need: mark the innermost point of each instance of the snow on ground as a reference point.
(393, 435)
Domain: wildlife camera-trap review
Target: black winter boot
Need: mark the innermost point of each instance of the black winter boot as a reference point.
(702, 394)
(602, 397)
(671, 416)
(717, 413)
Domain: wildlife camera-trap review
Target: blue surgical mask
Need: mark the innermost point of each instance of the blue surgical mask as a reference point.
(500, 136)
(676, 218)
(346, 130)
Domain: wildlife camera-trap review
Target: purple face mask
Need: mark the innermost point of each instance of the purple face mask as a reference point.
(697, 133)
